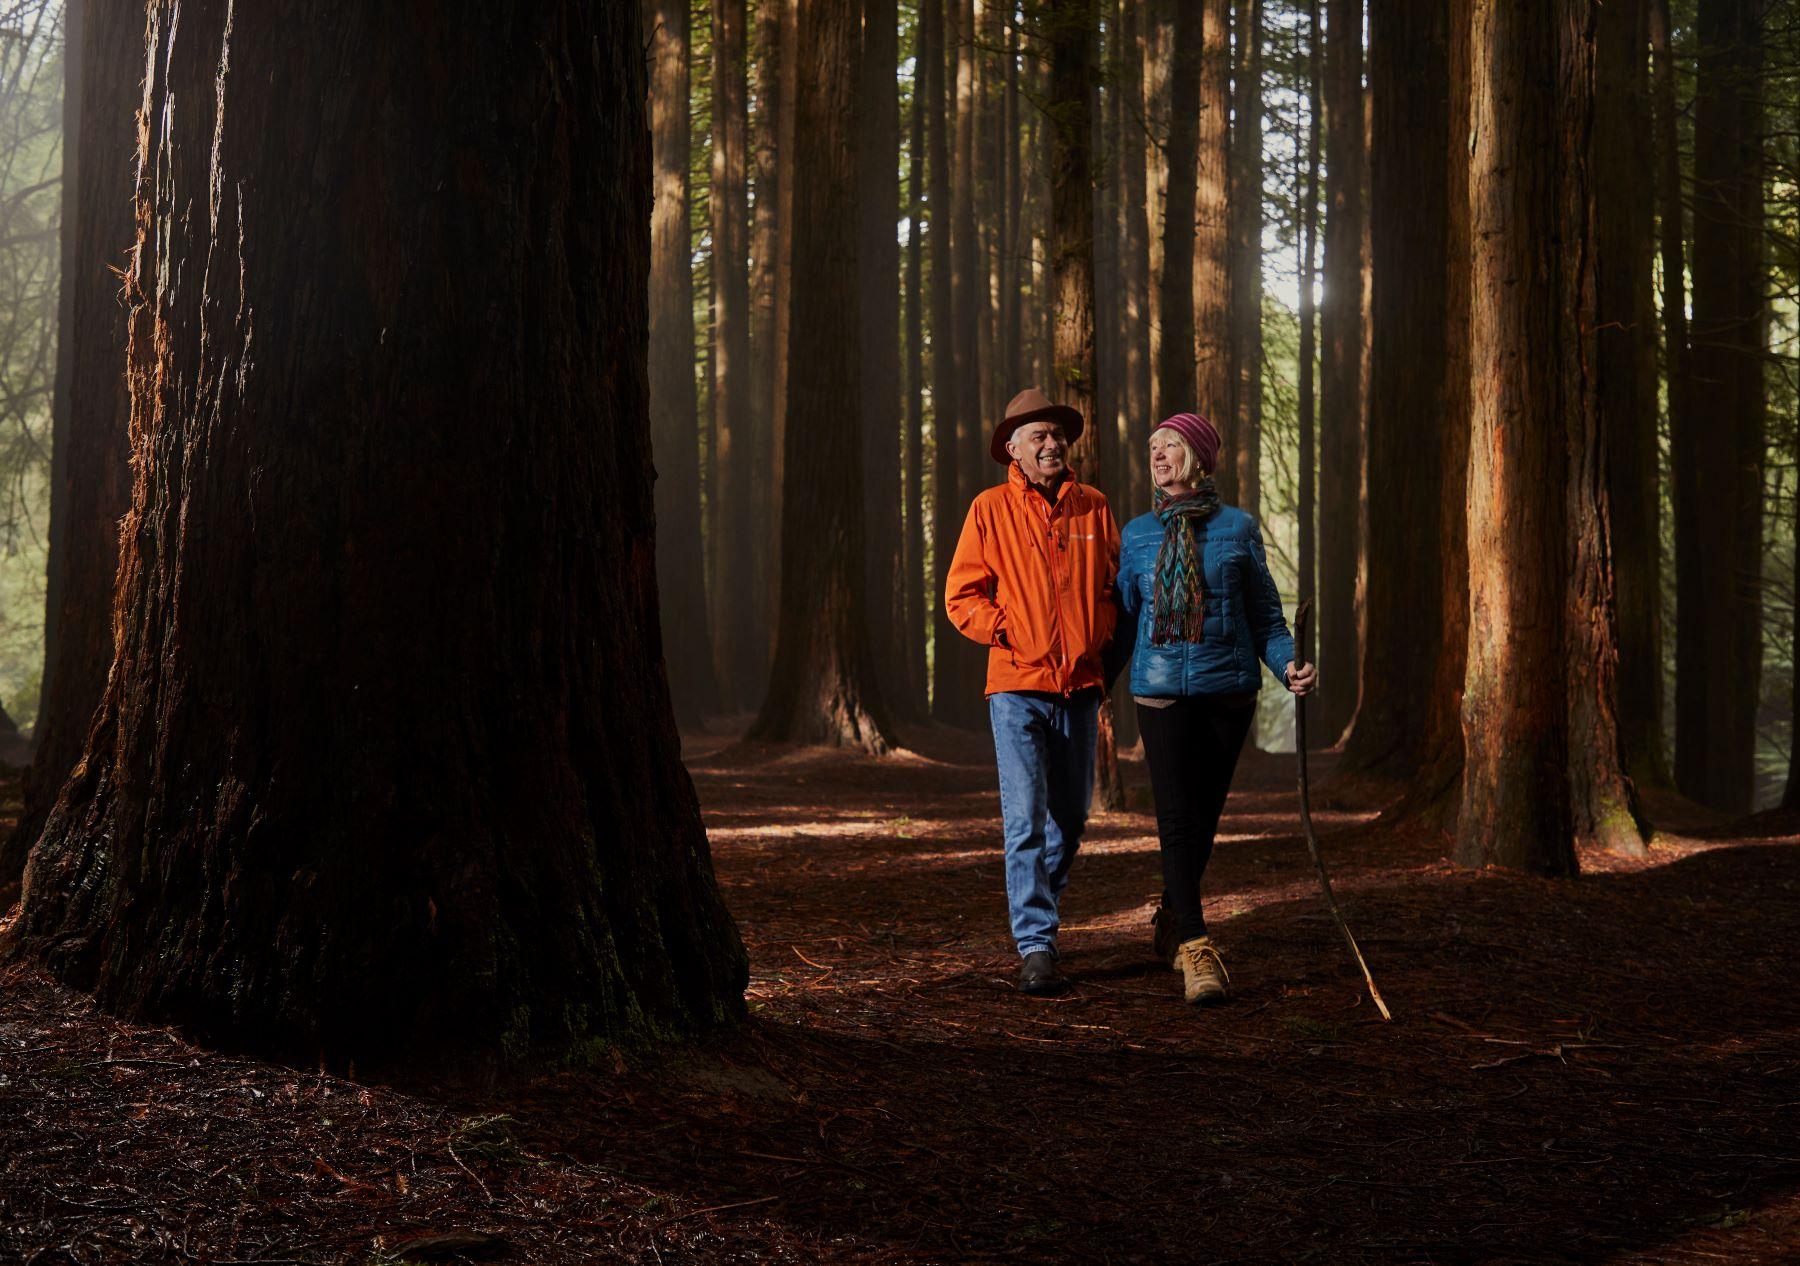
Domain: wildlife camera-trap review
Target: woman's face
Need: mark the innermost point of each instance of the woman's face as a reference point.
(1168, 455)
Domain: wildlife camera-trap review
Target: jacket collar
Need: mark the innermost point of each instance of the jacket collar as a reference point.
(1068, 490)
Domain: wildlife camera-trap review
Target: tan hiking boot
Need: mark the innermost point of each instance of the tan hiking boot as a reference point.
(1203, 974)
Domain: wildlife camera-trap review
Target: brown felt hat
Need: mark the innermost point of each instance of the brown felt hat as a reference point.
(1029, 406)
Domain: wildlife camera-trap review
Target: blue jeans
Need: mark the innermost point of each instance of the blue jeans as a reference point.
(1044, 745)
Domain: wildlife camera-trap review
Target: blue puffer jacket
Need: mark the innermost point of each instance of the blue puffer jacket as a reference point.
(1243, 611)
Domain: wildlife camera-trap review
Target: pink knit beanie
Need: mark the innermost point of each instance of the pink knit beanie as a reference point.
(1201, 436)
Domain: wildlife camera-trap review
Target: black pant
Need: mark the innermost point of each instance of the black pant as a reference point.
(1192, 749)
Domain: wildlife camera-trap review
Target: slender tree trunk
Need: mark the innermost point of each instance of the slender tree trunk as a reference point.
(989, 197)
(971, 284)
(1214, 379)
(964, 660)
(1684, 426)
(1409, 211)
(1515, 800)
(1342, 414)
(822, 688)
(1013, 297)
(342, 797)
(1070, 28)
(1751, 349)
(756, 625)
(1432, 792)
(1156, 37)
(1715, 758)
(90, 485)
(1135, 270)
(948, 701)
(1601, 375)
(1245, 259)
(786, 192)
(732, 579)
(1179, 287)
(1627, 341)
(912, 640)
(878, 255)
(1309, 229)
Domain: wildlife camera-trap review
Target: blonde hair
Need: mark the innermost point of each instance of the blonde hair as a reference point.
(1190, 462)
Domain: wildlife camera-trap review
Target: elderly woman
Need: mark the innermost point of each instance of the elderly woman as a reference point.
(1194, 581)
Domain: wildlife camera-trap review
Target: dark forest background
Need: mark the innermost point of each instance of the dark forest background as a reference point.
(1341, 401)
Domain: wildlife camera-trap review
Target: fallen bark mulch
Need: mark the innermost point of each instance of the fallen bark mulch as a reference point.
(1605, 1069)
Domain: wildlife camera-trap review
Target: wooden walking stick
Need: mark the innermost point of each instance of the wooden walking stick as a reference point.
(1312, 840)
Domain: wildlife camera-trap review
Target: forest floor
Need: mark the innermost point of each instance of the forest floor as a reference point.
(1604, 1069)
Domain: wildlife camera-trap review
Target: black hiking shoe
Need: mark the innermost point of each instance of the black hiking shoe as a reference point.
(1038, 975)
(1162, 936)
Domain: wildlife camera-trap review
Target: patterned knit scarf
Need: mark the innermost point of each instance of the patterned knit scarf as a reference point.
(1178, 594)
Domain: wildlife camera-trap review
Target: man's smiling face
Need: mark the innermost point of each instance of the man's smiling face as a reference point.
(1041, 449)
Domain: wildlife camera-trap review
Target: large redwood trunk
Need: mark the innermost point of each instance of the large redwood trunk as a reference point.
(1342, 387)
(878, 256)
(822, 688)
(90, 476)
(1409, 211)
(1515, 807)
(732, 580)
(386, 761)
(1214, 380)
(1245, 259)
(674, 404)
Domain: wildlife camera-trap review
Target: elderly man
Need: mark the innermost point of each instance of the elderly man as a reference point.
(1032, 580)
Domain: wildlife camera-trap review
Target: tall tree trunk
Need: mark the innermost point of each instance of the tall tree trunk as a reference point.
(1135, 269)
(948, 696)
(1013, 297)
(1689, 686)
(756, 625)
(1409, 211)
(674, 406)
(822, 688)
(971, 283)
(90, 484)
(1515, 800)
(1343, 389)
(878, 255)
(1433, 791)
(1214, 377)
(1627, 345)
(342, 797)
(912, 616)
(1715, 704)
(1245, 259)
(1309, 231)
(1070, 28)
(732, 581)
(786, 193)
(1156, 40)
(1179, 288)
(964, 660)
(1602, 375)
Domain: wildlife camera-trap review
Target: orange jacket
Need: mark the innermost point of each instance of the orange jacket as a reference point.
(1034, 584)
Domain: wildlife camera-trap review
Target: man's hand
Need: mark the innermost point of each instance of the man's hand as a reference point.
(1302, 679)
